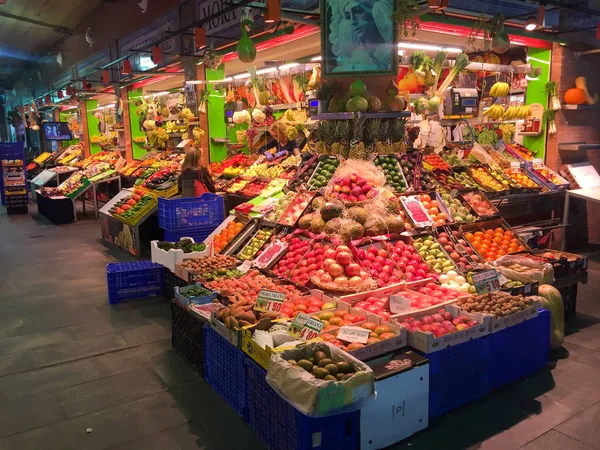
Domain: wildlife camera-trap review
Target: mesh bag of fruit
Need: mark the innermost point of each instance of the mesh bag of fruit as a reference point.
(320, 380)
(523, 269)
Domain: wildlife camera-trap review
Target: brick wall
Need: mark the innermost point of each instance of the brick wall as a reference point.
(576, 126)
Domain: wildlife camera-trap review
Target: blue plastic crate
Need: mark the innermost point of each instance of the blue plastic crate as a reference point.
(520, 350)
(133, 280)
(225, 370)
(207, 210)
(282, 427)
(197, 234)
(458, 375)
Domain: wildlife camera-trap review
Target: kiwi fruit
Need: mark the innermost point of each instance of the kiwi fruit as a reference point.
(343, 367)
(306, 365)
(332, 368)
(330, 378)
(319, 355)
(324, 362)
(320, 372)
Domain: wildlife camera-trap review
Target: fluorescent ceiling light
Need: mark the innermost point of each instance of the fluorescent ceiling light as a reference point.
(429, 47)
(266, 70)
(316, 58)
(194, 82)
(288, 66)
(241, 76)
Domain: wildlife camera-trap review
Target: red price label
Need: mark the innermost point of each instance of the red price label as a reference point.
(274, 305)
(269, 301)
(306, 327)
(307, 334)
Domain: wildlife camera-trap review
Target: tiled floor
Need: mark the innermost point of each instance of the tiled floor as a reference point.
(78, 374)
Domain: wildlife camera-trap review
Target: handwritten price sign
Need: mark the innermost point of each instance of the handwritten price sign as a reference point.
(353, 334)
(305, 327)
(269, 301)
(515, 166)
(399, 304)
(486, 281)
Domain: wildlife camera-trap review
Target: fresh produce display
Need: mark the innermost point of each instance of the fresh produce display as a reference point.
(480, 204)
(504, 179)
(393, 172)
(458, 212)
(208, 264)
(297, 248)
(321, 366)
(380, 264)
(461, 255)
(453, 280)
(196, 292)
(255, 244)
(436, 162)
(129, 207)
(500, 89)
(417, 212)
(295, 208)
(280, 207)
(408, 163)
(254, 188)
(308, 305)
(378, 333)
(219, 274)
(247, 287)
(187, 245)
(323, 173)
(263, 170)
(465, 179)
(341, 272)
(351, 189)
(435, 208)
(433, 254)
(237, 186)
(272, 188)
(304, 174)
(439, 324)
(162, 180)
(492, 243)
(409, 261)
(483, 178)
(519, 151)
(498, 303)
(226, 235)
(522, 179)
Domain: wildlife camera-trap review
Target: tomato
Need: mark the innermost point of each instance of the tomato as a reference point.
(119, 211)
(131, 202)
(126, 207)
(136, 198)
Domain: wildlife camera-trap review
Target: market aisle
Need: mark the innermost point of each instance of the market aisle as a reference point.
(69, 361)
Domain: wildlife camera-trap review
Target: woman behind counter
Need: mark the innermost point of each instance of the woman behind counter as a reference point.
(192, 171)
(280, 145)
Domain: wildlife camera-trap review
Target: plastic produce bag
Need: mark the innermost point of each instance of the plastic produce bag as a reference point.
(523, 269)
(316, 397)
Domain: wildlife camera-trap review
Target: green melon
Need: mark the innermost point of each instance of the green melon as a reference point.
(331, 210)
(305, 221)
(358, 214)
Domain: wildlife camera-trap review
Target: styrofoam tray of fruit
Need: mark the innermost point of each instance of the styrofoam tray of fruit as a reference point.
(270, 254)
(528, 309)
(239, 239)
(173, 256)
(449, 330)
(230, 223)
(494, 238)
(458, 209)
(480, 204)
(459, 250)
(433, 254)
(296, 208)
(257, 241)
(416, 211)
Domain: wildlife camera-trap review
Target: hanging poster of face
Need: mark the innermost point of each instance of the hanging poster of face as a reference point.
(358, 36)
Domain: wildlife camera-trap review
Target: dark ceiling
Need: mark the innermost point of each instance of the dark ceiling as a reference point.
(30, 29)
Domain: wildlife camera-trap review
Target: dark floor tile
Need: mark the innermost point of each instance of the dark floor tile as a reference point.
(95, 395)
(588, 337)
(585, 426)
(110, 426)
(17, 362)
(132, 358)
(48, 379)
(553, 440)
(24, 414)
(189, 436)
(20, 344)
(146, 334)
(581, 354)
(70, 351)
(174, 370)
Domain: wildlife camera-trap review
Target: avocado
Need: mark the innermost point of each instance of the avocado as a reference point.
(330, 378)
(344, 367)
(331, 368)
(320, 355)
(339, 376)
(306, 365)
(324, 362)
(319, 372)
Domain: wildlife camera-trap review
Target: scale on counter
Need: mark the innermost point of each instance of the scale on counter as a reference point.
(461, 103)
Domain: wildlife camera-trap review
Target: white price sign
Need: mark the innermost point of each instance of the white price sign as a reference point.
(269, 301)
(537, 163)
(515, 166)
(353, 334)
(245, 266)
(399, 304)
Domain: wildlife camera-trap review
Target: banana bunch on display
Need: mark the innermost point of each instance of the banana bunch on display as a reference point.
(293, 160)
(172, 127)
(494, 112)
(500, 89)
(255, 170)
(271, 172)
(517, 112)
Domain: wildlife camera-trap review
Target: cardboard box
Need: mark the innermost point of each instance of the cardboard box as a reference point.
(495, 324)
(386, 346)
(173, 256)
(426, 342)
(179, 291)
(232, 336)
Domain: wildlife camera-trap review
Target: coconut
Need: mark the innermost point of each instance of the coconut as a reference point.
(331, 210)
(358, 214)
(374, 227)
(317, 224)
(351, 230)
(332, 226)
(394, 224)
(304, 223)
(318, 202)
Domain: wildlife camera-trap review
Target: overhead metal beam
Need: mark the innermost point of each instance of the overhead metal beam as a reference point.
(57, 28)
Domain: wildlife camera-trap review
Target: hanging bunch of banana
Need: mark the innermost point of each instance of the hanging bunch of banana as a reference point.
(494, 112)
(517, 112)
(500, 89)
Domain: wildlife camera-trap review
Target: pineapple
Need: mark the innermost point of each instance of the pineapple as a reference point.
(358, 150)
(375, 129)
(335, 136)
(340, 144)
(397, 135)
(322, 134)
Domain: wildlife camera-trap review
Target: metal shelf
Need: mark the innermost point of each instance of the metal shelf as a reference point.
(486, 67)
(368, 115)
(579, 107)
(577, 146)
(288, 106)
